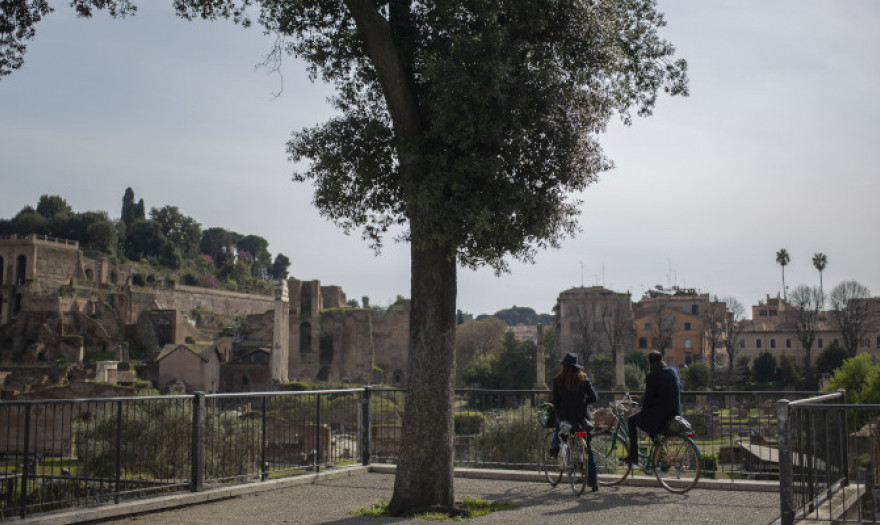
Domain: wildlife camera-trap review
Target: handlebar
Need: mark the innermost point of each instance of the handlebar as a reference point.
(629, 402)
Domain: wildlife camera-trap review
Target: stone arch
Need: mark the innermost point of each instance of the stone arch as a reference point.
(305, 301)
(305, 338)
(16, 306)
(90, 274)
(20, 269)
(325, 349)
(114, 277)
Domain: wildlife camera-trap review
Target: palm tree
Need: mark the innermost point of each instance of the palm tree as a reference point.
(782, 259)
(820, 261)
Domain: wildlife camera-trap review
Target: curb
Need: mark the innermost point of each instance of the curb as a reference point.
(153, 504)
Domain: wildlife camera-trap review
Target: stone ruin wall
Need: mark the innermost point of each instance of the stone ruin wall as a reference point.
(391, 341)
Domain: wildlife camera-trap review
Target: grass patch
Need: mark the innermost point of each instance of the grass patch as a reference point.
(472, 507)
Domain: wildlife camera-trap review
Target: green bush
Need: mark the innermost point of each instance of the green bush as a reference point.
(469, 422)
(710, 465)
(156, 442)
(508, 439)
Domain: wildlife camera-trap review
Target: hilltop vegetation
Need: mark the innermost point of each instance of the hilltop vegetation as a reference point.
(167, 239)
(520, 315)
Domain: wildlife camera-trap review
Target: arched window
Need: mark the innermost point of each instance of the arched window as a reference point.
(90, 274)
(20, 270)
(323, 373)
(16, 307)
(305, 338)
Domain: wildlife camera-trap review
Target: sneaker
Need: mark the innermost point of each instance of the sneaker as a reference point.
(594, 488)
(554, 453)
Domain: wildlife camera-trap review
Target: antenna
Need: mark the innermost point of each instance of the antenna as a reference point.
(582, 274)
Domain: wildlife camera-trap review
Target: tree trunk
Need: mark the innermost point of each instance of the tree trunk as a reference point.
(424, 477)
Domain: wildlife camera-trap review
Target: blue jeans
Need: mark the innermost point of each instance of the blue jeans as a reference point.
(592, 477)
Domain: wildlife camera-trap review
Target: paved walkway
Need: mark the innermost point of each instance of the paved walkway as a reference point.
(332, 498)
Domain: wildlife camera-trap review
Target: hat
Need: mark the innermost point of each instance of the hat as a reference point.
(571, 359)
(655, 357)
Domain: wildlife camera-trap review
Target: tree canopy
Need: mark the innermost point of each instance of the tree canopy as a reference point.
(468, 127)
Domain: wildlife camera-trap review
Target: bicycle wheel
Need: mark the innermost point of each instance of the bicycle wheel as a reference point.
(677, 464)
(577, 465)
(551, 467)
(609, 452)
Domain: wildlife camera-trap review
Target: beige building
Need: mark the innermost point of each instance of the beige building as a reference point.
(772, 328)
(593, 320)
(197, 366)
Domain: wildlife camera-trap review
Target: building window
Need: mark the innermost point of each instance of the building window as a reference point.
(821, 343)
(762, 313)
(305, 338)
(773, 302)
(837, 341)
(773, 313)
(647, 326)
(757, 343)
(773, 343)
(687, 343)
(695, 309)
(788, 343)
(643, 342)
(742, 344)
(687, 326)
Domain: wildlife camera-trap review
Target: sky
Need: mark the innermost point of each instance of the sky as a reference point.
(774, 148)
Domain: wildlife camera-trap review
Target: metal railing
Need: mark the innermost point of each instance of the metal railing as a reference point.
(829, 460)
(65, 453)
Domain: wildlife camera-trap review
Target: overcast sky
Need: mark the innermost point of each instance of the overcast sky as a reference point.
(777, 147)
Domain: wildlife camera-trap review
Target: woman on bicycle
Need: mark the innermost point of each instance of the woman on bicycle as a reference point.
(571, 396)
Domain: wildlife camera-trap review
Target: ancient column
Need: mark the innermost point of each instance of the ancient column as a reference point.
(281, 334)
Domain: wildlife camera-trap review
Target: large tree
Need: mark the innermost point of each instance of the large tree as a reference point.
(805, 304)
(713, 318)
(184, 232)
(850, 312)
(782, 259)
(455, 118)
(731, 328)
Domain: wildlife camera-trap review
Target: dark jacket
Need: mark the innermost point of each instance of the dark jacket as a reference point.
(662, 399)
(573, 405)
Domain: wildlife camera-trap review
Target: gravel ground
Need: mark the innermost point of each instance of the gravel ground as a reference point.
(333, 500)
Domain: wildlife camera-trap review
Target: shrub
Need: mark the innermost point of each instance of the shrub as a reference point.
(469, 422)
(509, 438)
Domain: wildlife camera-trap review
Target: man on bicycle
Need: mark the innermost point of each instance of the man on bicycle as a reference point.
(661, 402)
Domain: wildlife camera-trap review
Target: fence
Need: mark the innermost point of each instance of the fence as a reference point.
(66, 453)
(829, 460)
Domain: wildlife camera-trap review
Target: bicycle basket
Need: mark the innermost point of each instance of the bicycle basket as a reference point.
(678, 425)
(547, 417)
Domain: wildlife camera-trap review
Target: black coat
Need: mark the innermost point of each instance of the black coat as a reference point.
(573, 405)
(662, 399)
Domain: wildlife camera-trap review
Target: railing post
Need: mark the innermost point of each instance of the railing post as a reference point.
(198, 442)
(264, 464)
(118, 451)
(786, 509)
(844, 440)
(25, 470)
(365, 425)
(318, 444)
